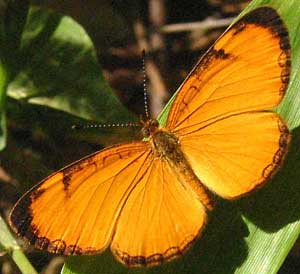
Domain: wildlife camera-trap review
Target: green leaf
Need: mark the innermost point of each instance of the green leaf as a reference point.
(7, 241)
(58, 68)
(253, 234)
(8, 244)
(3, 86)
(11, 26)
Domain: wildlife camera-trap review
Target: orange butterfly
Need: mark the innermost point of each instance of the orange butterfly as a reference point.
(149, 200)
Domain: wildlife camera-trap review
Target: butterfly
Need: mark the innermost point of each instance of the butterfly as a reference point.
(149, 200)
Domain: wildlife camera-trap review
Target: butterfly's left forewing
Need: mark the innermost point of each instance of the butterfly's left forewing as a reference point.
(75, 210)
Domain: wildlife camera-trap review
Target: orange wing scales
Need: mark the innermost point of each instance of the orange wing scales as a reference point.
(67, 233)
(233, 72)
(162, 204)
(248, 152)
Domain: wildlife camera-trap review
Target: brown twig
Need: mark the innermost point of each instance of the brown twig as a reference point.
(157, 18)
(209, 23)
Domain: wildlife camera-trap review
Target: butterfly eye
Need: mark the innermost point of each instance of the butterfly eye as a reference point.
(145, 132)
(150, 127)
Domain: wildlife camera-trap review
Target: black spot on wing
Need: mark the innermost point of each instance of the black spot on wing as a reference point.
(208, 58)
(220, 54)
(69, 171)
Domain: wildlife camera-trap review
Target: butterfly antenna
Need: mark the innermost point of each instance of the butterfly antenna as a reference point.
(130, 124)
(146, 100)
(119, 125)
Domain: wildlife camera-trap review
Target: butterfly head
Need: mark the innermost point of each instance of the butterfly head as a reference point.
(150, 126)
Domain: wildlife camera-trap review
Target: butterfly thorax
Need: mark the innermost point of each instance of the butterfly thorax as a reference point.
(163, 142)
(166, 145)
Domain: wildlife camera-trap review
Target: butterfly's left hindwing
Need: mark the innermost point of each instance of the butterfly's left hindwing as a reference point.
(161, 218)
